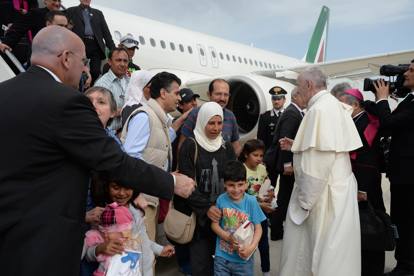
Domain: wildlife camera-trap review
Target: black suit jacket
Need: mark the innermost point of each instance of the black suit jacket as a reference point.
(34, 20)
(287, 126)
(98, 23)
(266, 127)
(51, 138)
(400, 124)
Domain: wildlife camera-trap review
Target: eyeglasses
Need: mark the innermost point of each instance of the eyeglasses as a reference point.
(85, 60)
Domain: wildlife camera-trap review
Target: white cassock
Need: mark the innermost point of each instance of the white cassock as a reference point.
(324, 241)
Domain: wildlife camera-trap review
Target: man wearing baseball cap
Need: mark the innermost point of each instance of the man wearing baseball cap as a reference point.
(187, 103)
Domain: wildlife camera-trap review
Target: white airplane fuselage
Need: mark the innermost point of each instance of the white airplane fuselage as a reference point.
(197, 58)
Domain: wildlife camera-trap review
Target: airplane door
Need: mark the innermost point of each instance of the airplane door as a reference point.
(202, 55)
(214, 57)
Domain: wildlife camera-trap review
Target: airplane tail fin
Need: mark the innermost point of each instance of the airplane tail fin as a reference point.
(317, 47)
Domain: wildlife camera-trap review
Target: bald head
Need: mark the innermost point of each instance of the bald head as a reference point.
(61, 51)
(51, 41)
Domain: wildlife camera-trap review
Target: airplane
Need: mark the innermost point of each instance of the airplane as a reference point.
(198, 58)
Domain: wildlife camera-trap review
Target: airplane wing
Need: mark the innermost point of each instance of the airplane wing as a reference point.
(355, 68)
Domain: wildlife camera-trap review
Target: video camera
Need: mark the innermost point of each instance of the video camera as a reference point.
(396, 83)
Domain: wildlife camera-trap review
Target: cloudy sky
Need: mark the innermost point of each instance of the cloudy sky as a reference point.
(357, 27)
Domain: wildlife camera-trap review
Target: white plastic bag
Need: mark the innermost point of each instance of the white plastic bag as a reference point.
(244, 235)
(127, 264)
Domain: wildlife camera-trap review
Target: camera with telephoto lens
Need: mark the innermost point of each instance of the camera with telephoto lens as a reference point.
(396, 82)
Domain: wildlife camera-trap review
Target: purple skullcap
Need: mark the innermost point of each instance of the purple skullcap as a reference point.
(355, 92)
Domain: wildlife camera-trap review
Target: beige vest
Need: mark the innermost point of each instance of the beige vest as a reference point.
(158, 149)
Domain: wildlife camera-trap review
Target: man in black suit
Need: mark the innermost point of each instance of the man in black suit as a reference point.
(400, 124)
(90, 25)
(51, 140)
(33, 21)
(287, 127)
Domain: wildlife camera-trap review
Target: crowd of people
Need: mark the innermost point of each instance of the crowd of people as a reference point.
(93, 161)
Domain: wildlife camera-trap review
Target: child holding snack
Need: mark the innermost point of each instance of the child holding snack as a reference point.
(237, 207)
(100, 246)
(256, 176)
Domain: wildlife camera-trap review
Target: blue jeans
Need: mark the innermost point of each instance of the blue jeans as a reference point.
(222, 267)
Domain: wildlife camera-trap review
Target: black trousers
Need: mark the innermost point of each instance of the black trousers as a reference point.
(201, 255)
(94, 53)
(402, 214)
(278, 217)
(372, 263)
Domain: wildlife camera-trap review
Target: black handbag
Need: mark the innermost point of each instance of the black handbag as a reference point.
(377, 231)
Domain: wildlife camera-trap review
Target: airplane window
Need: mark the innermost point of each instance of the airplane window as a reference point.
(141, 40)
(181, 47)
(213, 54)
(240, 60)
(234, 58)
(172, 46)
(201, 52)
(265, 64)
(228, 57)
(250, 61)
(152, 41)
(162, 42)
(221, 56)
(255, 62)
(190, 50)
(245, 60)
(261, 64)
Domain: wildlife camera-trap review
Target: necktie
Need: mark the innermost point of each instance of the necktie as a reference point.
(302, 113)
(87, 21)
(278, 113)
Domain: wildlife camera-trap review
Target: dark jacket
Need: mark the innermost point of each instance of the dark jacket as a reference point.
(366, 163)
(287, 126)
(400, 125)
(202, 170)
(100, 28)
(34, 20)
(267, 127)
(51, 140)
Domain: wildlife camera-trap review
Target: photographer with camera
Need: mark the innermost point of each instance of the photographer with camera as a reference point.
(400, 125)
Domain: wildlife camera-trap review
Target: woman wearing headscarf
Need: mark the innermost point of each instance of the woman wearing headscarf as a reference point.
(207, 170)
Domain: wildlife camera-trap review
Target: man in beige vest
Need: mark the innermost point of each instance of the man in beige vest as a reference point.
(148, 134)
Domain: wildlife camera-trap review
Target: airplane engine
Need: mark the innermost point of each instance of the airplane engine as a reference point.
(249, 98)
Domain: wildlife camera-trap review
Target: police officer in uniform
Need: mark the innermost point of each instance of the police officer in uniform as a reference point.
(269, 119)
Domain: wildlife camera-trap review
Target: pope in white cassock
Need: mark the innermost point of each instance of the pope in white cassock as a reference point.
(322, 234)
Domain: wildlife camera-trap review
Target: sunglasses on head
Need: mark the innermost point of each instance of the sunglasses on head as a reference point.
(130, 40)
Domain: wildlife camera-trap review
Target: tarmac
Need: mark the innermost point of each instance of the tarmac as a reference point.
(168, 267)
